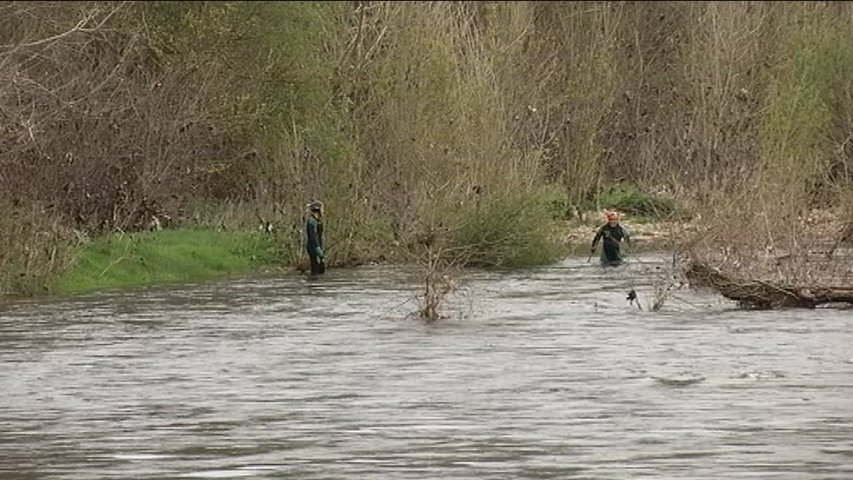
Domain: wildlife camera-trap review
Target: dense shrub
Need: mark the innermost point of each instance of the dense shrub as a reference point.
(514, 229)
(628, 198)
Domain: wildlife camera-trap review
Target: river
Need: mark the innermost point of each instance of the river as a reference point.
(545, 373)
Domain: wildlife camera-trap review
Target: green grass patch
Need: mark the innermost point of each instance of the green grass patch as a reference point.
(169, 256)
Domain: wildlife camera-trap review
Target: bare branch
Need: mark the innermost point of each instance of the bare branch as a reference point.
(81, 26)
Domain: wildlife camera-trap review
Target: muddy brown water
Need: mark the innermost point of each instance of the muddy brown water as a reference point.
(545, 373)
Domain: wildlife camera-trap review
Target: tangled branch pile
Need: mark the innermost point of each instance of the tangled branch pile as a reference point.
(766, 294)
(801, 264)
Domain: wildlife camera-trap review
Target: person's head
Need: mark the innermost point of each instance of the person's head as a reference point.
(316, 208)
(612, 218)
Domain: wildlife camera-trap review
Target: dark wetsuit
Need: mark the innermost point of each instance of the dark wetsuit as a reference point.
(314, 245)
(613, 236)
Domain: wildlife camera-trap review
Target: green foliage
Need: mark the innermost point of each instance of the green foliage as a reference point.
(169, 256)
(796, 132)
(355, 235)
(628, 198)
(558, 205)
(510, 230)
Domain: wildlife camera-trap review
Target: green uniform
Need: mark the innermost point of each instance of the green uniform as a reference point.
(314, 244)
(613, 235)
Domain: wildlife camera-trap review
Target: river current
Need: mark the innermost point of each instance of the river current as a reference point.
(545, 373)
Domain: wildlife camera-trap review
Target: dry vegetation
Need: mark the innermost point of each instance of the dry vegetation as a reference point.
(411, 119)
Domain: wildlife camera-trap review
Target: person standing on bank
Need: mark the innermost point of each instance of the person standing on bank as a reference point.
(314, 238)
(613, 234)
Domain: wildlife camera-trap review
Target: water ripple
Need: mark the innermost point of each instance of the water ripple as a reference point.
(547, 373)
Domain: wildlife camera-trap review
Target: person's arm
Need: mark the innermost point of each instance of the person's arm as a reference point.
(596, 238)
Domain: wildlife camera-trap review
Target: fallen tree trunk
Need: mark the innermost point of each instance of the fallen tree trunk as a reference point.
(765, 295)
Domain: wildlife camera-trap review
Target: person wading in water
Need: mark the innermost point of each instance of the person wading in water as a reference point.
(314, 238)
(613, 234)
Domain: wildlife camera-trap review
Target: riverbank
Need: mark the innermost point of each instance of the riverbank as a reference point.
(197, 255)
(165, 257)
(645, 234)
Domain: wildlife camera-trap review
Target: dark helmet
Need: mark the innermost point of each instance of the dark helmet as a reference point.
(315, 206)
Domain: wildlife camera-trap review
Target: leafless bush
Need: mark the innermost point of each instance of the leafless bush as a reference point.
(96, 129)
(438, 280)
(34, 247)
(776, 224)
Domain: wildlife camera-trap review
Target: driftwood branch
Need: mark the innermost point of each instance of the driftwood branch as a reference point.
(765, 295)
